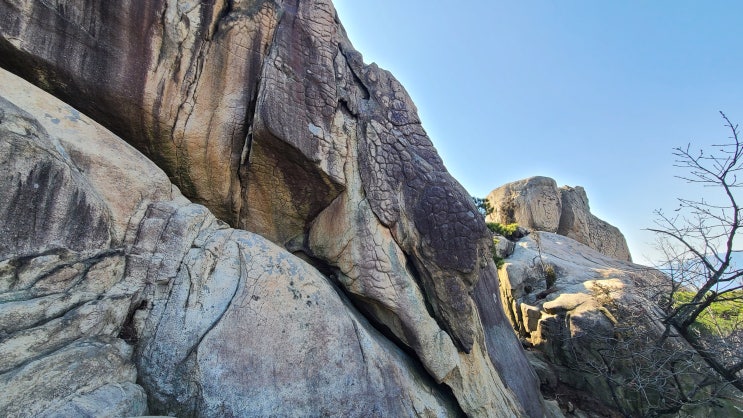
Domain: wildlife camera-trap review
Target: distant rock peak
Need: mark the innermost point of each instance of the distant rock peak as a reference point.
(537, 203)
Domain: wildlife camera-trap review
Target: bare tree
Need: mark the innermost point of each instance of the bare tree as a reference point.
(646, 375)
(705, 292)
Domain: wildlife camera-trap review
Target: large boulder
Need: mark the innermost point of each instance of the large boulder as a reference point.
(537, 203)
(265, 113)
(233, 325)
(70, 193)
(532, 203)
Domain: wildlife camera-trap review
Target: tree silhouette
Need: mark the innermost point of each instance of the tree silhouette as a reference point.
(704, 296)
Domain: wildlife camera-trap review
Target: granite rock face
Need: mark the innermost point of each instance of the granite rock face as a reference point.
(596, 332)
(64, 291)
(198, 354)
(263, 112)
(532, 203)
(577, 222)
(174, 78)
(162, 293)
(537, 203)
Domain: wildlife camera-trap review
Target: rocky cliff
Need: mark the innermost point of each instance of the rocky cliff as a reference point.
(591, 319)
(359, 283)
(596, 337)
(537, 203)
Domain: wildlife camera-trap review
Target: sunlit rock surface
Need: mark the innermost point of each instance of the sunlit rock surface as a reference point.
(595, 332)
(537, 203)
(263, 112)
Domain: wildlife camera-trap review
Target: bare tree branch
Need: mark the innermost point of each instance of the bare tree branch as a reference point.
(699, 244)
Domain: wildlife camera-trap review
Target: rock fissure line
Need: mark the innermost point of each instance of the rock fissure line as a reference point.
(257, 98)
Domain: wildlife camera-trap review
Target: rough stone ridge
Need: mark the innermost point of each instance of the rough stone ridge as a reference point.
(175, 78)
(532, 203)
(64, 294)
(578, 223)
(306, 92)
(537, 203)
(315, 355)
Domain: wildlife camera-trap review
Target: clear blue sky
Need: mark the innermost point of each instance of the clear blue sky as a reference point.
(590, 93)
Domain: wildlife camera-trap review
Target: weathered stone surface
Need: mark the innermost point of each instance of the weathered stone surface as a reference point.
(295, 162)
(174, 78)
(377, 273)
(578, 272)
(87, 378)
(61, 308)
(198, 352)
(192, 294)
(532, 203)
(578, 223)
(503, 246)
(509, 360)
(64, 295)
(537, 203)
(257, 109)
(327, 110)
(594, 331)
(560, 318)
(275, 173)
(364, 134)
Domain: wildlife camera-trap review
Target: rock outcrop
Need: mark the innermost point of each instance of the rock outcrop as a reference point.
(132, 274)
(596, 334)
(577, 222)
(263, 112)
(66, 204)
(537, 203)
(197, 350)
(532, 203)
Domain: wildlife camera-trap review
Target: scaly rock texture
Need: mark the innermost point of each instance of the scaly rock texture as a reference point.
(537, 203)
(263, 112)
(129, 282)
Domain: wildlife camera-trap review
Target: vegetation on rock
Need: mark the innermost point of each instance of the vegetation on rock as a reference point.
(507, 230)
(722, 318)
(483, 206)
(684, 354)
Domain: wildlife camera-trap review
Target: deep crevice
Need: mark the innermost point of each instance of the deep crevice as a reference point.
(355, 302)
(355, 305)
(416, 275)
(5, 336)
(355, 62)
(218, 319)
(429, 293)
(221, 18)
(243, 166)
(128, 332)
(19, 264)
